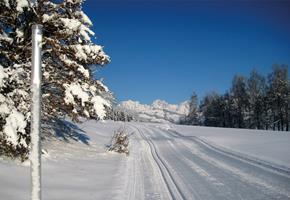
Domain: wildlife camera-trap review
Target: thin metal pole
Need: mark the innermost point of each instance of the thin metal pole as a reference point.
(35, 156)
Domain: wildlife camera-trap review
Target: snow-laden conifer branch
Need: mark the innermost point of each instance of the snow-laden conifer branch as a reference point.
(68, 54)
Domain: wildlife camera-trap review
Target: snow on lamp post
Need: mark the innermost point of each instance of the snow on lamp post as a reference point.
(35, 155)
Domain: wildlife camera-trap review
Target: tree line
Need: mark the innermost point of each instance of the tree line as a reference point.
(254, 102)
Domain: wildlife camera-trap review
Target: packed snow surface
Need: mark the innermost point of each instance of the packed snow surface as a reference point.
(166, 161)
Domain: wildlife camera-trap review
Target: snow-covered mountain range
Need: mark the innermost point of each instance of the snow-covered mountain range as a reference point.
(158, 111)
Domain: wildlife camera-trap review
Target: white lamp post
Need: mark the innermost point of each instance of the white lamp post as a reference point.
(35, 155)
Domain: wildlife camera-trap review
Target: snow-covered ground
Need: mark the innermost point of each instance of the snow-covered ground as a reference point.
(166, 161)
(271, 146)
(73, 170)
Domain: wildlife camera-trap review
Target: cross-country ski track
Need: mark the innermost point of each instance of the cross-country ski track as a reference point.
(166, 161)
(185, 167)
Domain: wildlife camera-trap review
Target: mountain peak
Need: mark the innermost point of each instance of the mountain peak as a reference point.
(158, 111)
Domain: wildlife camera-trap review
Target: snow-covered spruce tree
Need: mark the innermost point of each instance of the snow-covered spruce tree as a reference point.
(68, 56)
(279, 97)
(240, 101)
(193, 115)
(256, 88)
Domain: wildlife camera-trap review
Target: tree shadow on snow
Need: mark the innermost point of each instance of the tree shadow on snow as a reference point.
(68, 130)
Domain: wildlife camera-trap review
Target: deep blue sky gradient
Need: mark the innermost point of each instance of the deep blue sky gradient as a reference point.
(167, 49)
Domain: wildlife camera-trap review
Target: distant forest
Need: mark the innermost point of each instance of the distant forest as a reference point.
(254, 102)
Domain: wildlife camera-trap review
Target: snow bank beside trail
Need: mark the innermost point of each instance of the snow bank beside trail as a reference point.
(270, 146)
(101, 132)
(73, 170)
(14, 181)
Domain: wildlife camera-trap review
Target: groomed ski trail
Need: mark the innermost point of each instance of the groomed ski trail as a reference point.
(182, 167)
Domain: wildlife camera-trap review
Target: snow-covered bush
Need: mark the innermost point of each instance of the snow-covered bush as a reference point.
(69, 58)
(120, 141)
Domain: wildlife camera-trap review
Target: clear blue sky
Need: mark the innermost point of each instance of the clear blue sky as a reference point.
(168, 49)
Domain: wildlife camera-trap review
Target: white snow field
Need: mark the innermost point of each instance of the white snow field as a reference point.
(166, 161)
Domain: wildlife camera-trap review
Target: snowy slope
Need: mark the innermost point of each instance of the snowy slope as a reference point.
(166, 161)
(72, 170)
(193, 168)
(269, 146)
(158, 111)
